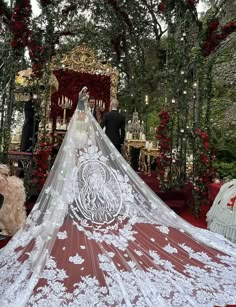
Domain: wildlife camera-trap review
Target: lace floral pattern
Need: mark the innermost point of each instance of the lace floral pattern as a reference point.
(162, 285)
(76, 259)
(98, 236)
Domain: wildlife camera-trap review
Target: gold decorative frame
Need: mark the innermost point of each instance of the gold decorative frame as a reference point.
(83, 59)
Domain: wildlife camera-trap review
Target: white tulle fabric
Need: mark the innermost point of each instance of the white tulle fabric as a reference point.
(98, 236)
(221, 217)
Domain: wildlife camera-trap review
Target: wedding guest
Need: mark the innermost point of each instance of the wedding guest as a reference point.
(30, 127)
(114, 123)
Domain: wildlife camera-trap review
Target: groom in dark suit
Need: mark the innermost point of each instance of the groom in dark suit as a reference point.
(114, 123)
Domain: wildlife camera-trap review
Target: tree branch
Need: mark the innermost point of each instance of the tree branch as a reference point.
(156, 25)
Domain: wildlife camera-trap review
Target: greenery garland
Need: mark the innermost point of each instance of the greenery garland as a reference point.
(20, 25)
(37, 52)
(164, 137)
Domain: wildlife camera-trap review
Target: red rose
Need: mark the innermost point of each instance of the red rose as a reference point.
(17, 26)
(225, 28)
(44, 166)
(219, 36)
(206, 145)
(17, 9)
(214, 25)
(206, 45)
(14, 44)
(232, 24)
(40, 174)
(204, 135)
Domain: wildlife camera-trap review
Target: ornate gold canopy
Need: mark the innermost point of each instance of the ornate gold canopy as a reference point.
(83, 59)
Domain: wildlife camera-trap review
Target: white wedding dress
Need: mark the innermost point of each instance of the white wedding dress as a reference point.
(98, 236)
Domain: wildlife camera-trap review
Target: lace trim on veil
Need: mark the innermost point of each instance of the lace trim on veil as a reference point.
(98, 236)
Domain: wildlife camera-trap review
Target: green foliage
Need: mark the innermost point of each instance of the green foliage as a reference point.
(224, 141)
(152, 121)
(219, 90)
(225, 169)
(227, 55)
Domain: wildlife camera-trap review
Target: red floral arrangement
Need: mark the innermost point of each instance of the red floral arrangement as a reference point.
(71, 82)
(215, 35)
(19, 25)
(203, 168)
(41, 165)
(165, 147)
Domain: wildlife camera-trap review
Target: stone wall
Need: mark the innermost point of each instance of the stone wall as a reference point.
(225, 71)
(225, 67)
(229, 11)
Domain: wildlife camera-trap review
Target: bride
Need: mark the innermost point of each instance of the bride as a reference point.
(98, 236)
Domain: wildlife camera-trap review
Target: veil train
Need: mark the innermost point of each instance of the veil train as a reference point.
(99, 236)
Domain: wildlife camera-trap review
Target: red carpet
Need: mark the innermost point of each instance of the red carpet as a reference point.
(180, 201)
(198, 222)
(3, 242)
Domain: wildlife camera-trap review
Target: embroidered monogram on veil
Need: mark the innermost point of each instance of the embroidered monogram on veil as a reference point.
(98, 236)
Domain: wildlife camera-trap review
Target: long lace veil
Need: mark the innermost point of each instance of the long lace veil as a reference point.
(99, 236)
